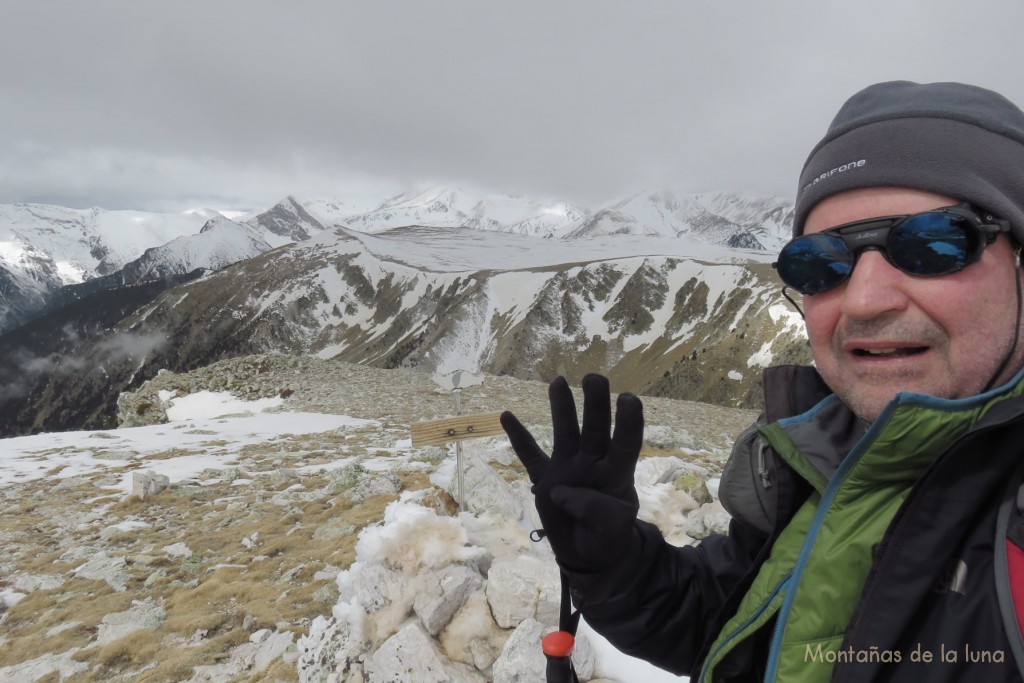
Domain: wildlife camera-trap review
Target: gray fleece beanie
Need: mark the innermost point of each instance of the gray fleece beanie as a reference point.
(949, 138)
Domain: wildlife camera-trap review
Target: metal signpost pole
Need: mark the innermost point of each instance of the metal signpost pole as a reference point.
(457, 393)
(446, 430)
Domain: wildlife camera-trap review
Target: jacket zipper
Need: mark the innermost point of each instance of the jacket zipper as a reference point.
(782, 587)
(848, 463)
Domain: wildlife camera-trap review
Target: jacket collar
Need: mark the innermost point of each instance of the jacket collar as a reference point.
(823, 436)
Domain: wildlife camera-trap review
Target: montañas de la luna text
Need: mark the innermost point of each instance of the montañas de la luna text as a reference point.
(917, 655)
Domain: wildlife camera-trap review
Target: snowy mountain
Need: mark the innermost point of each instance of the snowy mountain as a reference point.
(287, 221)
(724, 219)
(55, 246)
(46, 249)
(223, 241)
(455, 207)
(728, 219)
(675, 297)
(72, 245)
(662, 316)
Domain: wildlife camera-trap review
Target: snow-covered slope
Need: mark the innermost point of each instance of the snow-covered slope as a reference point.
(287, 221)
(55, 246)
(455, 207)
(727, 219)
(684, 304)
(220, 243)
(664, 316)
(718, 218)
(72, 245)
(46, 248)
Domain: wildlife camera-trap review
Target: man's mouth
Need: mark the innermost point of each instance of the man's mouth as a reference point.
(890, 353)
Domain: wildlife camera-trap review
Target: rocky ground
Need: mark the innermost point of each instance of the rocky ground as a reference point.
(223, 577)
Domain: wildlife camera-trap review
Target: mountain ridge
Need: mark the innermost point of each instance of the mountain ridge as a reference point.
(667, 313)
(442, 299)
(57, 246)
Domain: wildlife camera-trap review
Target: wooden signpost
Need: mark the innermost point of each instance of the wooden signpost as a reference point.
(458, 428)
(445, 430)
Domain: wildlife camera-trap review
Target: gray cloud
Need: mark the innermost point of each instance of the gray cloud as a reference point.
(76, 356)
(238, 103)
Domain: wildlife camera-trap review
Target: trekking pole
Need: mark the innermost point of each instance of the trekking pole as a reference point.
(557, 647)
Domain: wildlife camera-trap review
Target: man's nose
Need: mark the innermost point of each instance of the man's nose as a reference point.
(875, 287)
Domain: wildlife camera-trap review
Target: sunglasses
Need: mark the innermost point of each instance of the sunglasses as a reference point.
(926, 244)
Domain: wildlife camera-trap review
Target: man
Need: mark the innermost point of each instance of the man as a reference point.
(876, 529)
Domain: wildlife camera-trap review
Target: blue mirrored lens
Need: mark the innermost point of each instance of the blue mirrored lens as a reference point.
(931, 244)
(815, 263)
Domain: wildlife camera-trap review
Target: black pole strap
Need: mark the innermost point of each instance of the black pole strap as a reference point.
(558, 645)
(568, 619)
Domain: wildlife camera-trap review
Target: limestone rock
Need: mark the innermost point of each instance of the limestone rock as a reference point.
(9, 598)
(710, 518)
(360, 483)
(333, 529)
(330, 653)
(443, 593)
(662, 470)
(485, 490)
(148, 483)
(695, 486)
(179, 550)
(33, 582)
(378, 484)
(412, 655)
(373, 586)
(496, 450)
(62, 665)
(269, 646)
(141, 616)
(523, 587)
(105, 568)
(247, 659)
(666, 437)
(472, 636)
(140, 408)
(522, 660)
(584, 659)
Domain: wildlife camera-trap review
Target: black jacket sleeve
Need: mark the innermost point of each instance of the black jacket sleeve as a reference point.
(665, 604)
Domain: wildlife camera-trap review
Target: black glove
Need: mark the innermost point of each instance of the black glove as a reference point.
(584, 492)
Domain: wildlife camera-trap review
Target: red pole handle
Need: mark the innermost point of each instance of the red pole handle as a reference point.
(558, 643)
(557, 647)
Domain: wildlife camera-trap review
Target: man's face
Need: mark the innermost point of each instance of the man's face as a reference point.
(883, 331)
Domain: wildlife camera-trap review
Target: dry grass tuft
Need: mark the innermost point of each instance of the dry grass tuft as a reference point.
(135, 649)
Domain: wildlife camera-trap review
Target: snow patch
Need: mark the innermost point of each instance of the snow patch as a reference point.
(762, 358)
(204, 405)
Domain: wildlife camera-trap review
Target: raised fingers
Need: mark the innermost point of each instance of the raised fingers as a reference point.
(628, 437)
(525, 446)
(597, 415)
(565, 425)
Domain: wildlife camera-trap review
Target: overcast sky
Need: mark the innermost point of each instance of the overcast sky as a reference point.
(236, 104)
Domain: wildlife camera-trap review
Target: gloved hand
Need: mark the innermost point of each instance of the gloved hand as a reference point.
(584, 492)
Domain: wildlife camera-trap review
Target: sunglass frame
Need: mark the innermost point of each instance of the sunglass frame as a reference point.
(873, 234)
